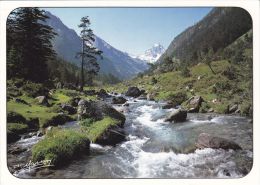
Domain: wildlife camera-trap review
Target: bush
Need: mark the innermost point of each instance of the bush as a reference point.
(87, 122)
(246, 109)
(185, 72)
(60, 146)
(35, 89)
(177, 98)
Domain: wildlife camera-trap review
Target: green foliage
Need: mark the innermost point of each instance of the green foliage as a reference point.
(107, 79)
(29, 44)
(60, 146)
(87, 122)
(95, 129)
(89, 53)
(177, 98)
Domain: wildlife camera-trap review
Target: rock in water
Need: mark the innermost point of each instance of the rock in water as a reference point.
(69, 108)
(118, 100)
(112, 136)
(207, 141)
(177, 115)
(103, 94)
(194, 103)
(133, 92)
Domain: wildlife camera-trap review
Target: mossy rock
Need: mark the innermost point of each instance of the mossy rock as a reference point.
(14, 117)
(56, 120)
(17, 128)
(61, 146)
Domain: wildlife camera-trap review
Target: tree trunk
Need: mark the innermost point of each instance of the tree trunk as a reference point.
(82, 70)
(211, 69)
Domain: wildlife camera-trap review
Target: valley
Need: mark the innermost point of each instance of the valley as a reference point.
(181, 112)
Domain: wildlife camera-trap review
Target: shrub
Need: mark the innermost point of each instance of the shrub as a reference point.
(87, 122)
(35, 89)
(177, 98)
(60, 146)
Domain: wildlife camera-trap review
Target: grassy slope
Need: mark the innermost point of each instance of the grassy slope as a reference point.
(238, 90)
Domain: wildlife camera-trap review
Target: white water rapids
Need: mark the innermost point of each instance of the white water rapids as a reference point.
(158, 149)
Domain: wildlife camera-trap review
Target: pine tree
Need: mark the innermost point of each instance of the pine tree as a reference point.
(31, 39)
(207, 58)
(89, 53)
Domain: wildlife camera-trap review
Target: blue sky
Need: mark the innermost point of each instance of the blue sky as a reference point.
(133, 30)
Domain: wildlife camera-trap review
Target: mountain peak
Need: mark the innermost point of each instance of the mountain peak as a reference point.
(151, 55)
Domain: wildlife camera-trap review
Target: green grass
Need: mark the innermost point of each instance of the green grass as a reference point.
(171, 83)
(95, 129)
(60, 146)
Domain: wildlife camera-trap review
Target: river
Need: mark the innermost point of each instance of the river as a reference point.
(158, 149)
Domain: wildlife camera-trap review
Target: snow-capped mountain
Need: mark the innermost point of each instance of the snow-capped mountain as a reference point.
(67, 43)
(153, 54)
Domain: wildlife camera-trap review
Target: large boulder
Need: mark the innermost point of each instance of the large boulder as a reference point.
(112, 136)
(98, 110)
(56, 120)
(103, 94)
(194, 104)
(12, 136)
(133, 92)
(177, 115)
(42, 100)
(118, 100)
(207, 141)
(232, 108)
(68, 108)
(74, 101)
(13, 117)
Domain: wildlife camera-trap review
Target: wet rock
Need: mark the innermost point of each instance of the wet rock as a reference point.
(133, 92)
(103, 94)
(126, 105)
(168, 105)
(207, 141)
(48, 129)
(56, 120)
(33, 123)
(90, 92)
(233, 108)
(177, 115)
(12, 136)
(194, 104)
(112, 136)
(68, 108)
(19, 100)
(16, 150)
(211, 110)
(39, 133)
(143, 97)
(13, 117)
(74, 101)
(42, 100)
(98, 110)
(118, 100)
